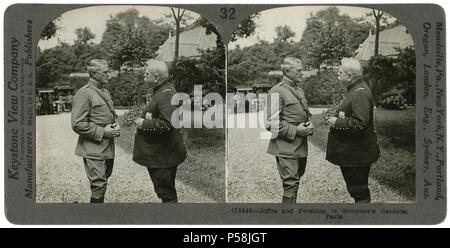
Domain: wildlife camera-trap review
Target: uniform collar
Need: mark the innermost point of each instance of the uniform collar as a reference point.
(289, 82)
(159, 86)
(352, 85)
(95, 83)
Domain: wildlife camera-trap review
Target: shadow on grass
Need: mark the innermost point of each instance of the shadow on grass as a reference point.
(204, 168)
(396, 134)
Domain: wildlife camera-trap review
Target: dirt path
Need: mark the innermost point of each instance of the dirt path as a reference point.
(252, 175)
(60, 175)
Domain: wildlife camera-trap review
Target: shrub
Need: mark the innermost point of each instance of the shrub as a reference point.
(128, 88)
(323, 88)
(131, 115)
(392, 101)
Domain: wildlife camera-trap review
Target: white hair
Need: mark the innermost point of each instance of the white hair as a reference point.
(351, 66)
(157, 67)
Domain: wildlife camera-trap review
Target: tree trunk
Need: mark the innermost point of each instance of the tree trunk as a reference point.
(177, 41)
(377, 30)
(177, 16)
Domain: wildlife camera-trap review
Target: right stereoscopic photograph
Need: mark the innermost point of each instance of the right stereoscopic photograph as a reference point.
(323, 107)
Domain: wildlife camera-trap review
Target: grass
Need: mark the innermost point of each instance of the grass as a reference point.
(396, 136)
(204, 168)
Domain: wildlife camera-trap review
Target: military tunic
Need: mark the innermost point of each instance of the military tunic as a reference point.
(289, 148)
(158, 144)
(90, 115)
(285, 143)
(352, 141)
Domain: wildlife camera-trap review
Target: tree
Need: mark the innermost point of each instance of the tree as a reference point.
(377, 15)
(127, 28)
(177, 17)
(329, 47)
(54, 65)
(50, 29)
(84, 35)
(283, 33)
(352, 31)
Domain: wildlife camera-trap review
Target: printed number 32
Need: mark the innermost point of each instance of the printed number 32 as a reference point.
(227, 13)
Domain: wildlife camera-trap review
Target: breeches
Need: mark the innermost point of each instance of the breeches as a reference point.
(164, 183)
(291, 170)
(98, 172)
(357, 180)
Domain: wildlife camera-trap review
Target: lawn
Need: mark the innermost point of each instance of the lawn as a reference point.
(204, 168)
(396, 137)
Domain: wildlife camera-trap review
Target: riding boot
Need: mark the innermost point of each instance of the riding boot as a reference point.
(169, 200)
(288, 199)
(97, 200)
(361, 200)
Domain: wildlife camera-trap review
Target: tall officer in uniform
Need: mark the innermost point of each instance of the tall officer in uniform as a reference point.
(290, 126)
(158, 145)
(352, 142)
(93, 118)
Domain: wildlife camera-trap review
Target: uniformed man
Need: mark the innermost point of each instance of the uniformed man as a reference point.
(352, 143)
(93, 118)
(158, 144)
(290, 126)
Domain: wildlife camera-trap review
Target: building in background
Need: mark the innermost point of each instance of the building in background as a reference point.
(191, 42)
(390, 39)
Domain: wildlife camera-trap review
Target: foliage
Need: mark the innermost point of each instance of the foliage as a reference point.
(379, 72)
(131, 49)
(329, 46)
(127, 119)
(208, 70)
(405, 65)
(84, 35)
(78, 82)
(245, 28)
(129, 88)
(50, 29)
(323, 88)
(329, 36)
(385, 73)
(132, 39)
(283, 33)
(55, 64)
(392, 101)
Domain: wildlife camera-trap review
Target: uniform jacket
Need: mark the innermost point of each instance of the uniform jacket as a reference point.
(291, 112)
(90, 114)
(352, 141)
(158, 144)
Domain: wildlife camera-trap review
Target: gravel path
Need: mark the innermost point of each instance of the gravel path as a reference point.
(61, 178)
(252, 175)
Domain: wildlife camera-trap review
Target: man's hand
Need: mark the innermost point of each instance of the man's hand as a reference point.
(110, 131)
(148, 116)
(139, 122)
(331, 121)
(310, 128)
(116, 130)
(305, 129)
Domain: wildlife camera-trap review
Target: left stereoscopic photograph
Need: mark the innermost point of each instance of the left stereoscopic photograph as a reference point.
(107, 127)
